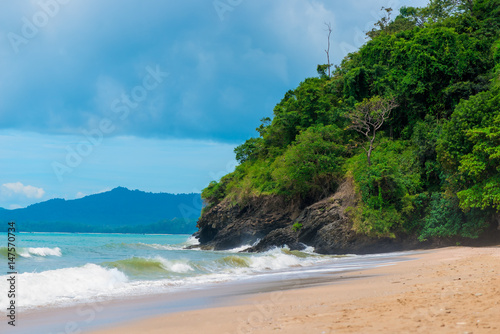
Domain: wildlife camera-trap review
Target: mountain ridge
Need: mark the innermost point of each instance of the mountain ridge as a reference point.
(119, 209)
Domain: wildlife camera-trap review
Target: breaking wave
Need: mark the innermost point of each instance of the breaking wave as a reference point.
(32, 251)
(139, 275)
(138, 266)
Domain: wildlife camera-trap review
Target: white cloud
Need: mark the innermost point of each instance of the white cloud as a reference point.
(103, 190)
(80, 195)
(299, 25)
(18, 188)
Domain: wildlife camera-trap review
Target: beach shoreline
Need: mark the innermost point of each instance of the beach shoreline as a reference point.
(450, 290)
(77, 317)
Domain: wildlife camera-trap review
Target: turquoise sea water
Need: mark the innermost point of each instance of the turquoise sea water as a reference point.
(59, 269)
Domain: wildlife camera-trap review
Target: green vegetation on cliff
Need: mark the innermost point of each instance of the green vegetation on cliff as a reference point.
(413, 118)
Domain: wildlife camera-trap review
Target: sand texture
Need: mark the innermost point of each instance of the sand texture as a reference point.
(451, 290)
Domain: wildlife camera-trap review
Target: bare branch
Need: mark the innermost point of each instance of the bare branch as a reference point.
(327, 51)
(369, 116)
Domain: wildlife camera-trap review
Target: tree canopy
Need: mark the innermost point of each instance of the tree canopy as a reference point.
(436, 169)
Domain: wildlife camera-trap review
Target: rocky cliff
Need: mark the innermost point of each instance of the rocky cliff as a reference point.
(265, 222)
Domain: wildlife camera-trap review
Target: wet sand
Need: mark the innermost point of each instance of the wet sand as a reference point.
(451, 290)
(81, 318)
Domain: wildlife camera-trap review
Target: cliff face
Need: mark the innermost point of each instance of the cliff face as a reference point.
(266, 222)
(228, 226)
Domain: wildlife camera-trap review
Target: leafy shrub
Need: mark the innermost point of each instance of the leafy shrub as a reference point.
(470, 151)
(312, 165)
(296, 227)
(445, 219)
(385, 188)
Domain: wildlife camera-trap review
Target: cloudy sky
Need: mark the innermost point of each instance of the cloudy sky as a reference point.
(151, 95)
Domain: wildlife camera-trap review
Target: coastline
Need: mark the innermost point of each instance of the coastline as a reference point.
(104, 311)
(450, 290)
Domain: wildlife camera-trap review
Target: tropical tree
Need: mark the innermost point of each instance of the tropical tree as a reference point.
(368, 117)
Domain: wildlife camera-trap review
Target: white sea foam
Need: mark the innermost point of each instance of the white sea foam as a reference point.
(62, 286)
(239, 249)
(177, 266)
(39, 251)
(160, 247)
(242, 248)
(191, 241)
(275, 259)
(309, 249)
(66, 286)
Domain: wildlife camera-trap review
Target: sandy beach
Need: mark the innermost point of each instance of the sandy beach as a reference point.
(451, 290)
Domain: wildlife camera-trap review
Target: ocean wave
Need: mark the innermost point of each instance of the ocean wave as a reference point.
(41, 251)
(4, 252)
(141, 245)
(141, 267)
(66, 285)
(234, 261)
(274, 259)
(160, 267)
(32, 251)
(238, 249)
(161, 247)
(144, 275)
(282, 258)
(191, 241)
(242, 248)
(277, 258)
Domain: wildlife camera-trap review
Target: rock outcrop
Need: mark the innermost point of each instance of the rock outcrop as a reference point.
(267, 222)
(227, 226)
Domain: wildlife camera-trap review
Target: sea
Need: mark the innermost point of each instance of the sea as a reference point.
(64, 269)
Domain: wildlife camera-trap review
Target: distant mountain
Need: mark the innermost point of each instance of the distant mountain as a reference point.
(118, 210)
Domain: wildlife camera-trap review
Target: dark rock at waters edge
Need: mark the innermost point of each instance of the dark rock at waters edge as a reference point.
(229, 226)
(267, 222)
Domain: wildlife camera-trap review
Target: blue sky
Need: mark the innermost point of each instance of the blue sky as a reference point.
(151, 95)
